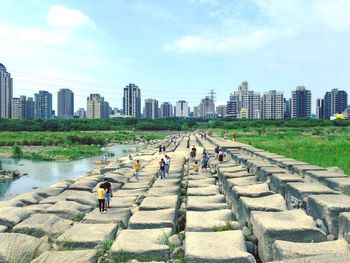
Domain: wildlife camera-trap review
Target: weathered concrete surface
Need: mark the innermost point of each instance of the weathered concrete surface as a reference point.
(216, 247)
(68, 209)
(141, 244)
(10, 216)
(203, 191)
(208, 221)
(83, 185)
(124, 193)
(160, 202)
(3, 229)
(39, 208)
(164, 218)
(76, 256)
(302, 169)
(88, 235)
(270, 203)
(339, 257)
(328, 208)
(293, 225)
(264, 173)
(285, 250)
(344, 226)
(20, 248)
(338, 184)
(49, 191)
(254, 190)
(201, 183)
(43, 224)
(11, 203)
(320, 176)
(125, 202)
(278, 182)
(81, 197)
(29, 198)
(161, 191)
(115, 186)
(119, 216)
(296, 193)
(206, 203)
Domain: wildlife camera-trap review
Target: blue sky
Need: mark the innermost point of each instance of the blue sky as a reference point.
(175, 49)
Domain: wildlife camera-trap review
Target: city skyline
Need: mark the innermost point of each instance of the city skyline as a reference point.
(208, 44)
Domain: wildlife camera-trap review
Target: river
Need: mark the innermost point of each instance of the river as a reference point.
(46, 173)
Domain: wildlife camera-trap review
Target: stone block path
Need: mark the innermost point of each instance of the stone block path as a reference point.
(255, 206)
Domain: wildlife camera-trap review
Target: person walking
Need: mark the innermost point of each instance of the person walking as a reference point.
(196, 167)
(234, 136)
(162, 169)
(137, 167)
(193, 152)
(221, 156)
(167, 165)
(217, 149)
(204, 162)
(101, 198)
(160, 149)
(105, 158)
(164, 148)
(108, 194)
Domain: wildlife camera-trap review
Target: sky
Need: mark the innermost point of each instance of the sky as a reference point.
(175, 49)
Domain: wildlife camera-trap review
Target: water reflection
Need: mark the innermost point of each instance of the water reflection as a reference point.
(45, 173)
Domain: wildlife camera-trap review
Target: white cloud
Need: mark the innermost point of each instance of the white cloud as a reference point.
(335, 13)
(273, 20)
(90, 46)
(61, 16)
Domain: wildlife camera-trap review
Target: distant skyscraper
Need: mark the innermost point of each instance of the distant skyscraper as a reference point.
(132, 101)
(81, 113)
(23, 108)
(319, 108)
(272, 105)
(97, 108)
(301, 103)
(151, 109)
(286, 108)
(205, 108)
(6, 92)
(65, 104)
(247, 100)
(43, 105)
(221, 111)
(166, 110)
(232, 107)
(182, 109)
(335, 102)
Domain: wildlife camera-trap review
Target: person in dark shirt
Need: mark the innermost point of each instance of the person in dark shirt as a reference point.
(108, 187)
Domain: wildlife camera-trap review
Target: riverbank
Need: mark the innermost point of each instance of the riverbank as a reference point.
(65, 146)
(323, 146)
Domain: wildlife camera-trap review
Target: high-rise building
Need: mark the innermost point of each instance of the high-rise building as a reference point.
(205, 108)
(132, 101)
(22, 108)
(232, 107)
(272, 105)
(319, 108)
(286, 108)
(65, 104)
(151, 109)
(335, 102)
(301, 103)
(43, 105)
(221, 111)
(182, 109)
(80, 113)
(6, 92)
(166, 110)
(97, 107)
(247, 100)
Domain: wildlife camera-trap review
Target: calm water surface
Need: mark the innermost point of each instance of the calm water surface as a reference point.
(45, 173)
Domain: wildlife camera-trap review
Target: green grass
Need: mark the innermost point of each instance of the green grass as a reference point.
(323, 146)
(226, 227)
(64, 146)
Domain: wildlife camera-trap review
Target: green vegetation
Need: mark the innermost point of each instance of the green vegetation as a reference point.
(226, 227)
(79, 217)
(323, 146)
(65, 145)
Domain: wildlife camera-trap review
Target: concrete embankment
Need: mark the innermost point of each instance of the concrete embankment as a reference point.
(254, 206)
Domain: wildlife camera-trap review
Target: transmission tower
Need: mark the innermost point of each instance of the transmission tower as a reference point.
(212, 95)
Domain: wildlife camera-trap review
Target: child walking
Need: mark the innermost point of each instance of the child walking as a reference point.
(101, 192)
(196, 167)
